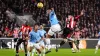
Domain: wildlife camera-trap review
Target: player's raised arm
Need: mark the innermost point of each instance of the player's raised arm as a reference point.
(82, 13)
(52, 9)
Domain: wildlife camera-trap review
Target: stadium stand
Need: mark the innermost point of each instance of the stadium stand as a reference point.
(88, 23)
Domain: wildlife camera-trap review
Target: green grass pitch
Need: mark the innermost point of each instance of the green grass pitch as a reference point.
(61, 52)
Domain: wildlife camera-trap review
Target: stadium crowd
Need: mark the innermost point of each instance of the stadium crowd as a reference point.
(89, 24)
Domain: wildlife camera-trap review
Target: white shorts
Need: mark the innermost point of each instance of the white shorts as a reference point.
(42, 43)
(47, 41)
(99, 42)
(54, 29)
(35, 45)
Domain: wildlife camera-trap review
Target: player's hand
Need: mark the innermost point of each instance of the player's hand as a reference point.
(27, 38)
(48, 11)
(82, 12)
(52, 8)
(96, 35)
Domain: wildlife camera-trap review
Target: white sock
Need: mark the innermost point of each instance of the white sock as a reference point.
(43, 52)
(96, 49)
(73, 49)
(49, 47)
(28, 53)
(39, 54)
(33, 51)
(48, 44)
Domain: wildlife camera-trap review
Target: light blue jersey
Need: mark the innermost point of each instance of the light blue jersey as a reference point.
(34, 36)
(42, 32)
(53, 18)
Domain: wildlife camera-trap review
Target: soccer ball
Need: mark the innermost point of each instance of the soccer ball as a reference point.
(40, 5)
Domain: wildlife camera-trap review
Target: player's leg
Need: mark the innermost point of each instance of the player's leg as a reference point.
(17, 47)
(33, 51)
(66, 31)
(71, 41)
(29, 48)
(77, 45)
(71, 46)
(96, 49)
(97, 46)
(15, 43)
(47, 40)
(25, 47)
(38, 48)
(43, 52)
(43, 47)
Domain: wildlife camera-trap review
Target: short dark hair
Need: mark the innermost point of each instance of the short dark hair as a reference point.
(36, 24)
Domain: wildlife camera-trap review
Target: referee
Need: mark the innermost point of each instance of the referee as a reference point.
(23, 38)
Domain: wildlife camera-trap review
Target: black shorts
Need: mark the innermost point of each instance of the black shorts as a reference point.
(67, 31)
(21, 40)
(15, 39)
(25, 42)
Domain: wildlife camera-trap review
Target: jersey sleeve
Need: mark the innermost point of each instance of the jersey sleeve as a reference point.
(30, 35)
(99, 33)
(41, 34)
(77, 17)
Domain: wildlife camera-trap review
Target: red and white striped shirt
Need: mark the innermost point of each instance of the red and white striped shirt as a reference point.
(71, 22)
(25, 31)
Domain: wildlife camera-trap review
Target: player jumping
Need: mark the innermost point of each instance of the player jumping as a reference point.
(68, 30)
(55, 26)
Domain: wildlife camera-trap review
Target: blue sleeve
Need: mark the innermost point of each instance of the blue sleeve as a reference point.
(99, 33)
(41, 35)
(30, 35)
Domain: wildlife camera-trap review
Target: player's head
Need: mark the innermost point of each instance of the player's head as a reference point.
(26, 23)
(41, 27)
(36, 26)
(70, 14)
(49, 10)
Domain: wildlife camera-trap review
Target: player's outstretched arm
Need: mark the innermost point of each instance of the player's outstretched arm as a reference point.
(82, 13)
(52, 9)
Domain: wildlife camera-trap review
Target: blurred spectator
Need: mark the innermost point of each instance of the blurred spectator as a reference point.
(89, 22)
